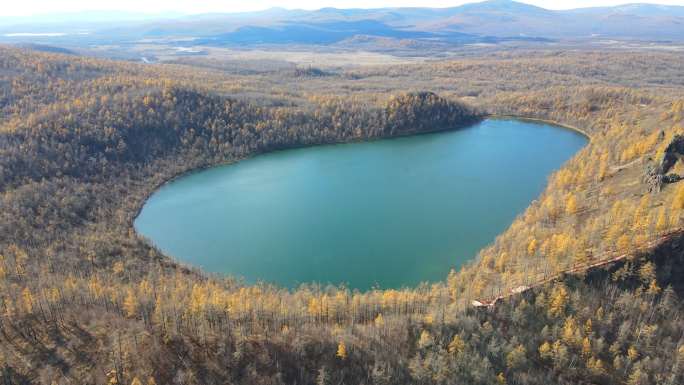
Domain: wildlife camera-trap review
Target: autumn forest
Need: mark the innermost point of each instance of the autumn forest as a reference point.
(584, 287)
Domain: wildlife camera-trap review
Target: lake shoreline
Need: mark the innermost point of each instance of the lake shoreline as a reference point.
(353, 140)
(143, 227)
(546, 121)
(193, 170)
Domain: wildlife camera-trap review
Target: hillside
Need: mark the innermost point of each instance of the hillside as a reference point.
(84, 299)
(490, 22)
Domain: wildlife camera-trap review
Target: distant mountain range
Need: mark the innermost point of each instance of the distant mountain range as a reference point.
(492, 20)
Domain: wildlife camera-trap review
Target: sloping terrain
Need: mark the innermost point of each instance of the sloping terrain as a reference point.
(84, 299)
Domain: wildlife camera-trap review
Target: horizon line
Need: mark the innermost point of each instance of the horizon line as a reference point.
(174, 13)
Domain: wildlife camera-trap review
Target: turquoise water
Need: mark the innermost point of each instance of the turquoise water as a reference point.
(391, 213)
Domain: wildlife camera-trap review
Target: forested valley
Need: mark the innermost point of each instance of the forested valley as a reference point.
(84, 299)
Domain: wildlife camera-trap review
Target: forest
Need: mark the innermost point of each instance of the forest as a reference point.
(84, 299)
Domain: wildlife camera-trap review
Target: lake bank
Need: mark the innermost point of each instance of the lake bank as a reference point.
(365, 201)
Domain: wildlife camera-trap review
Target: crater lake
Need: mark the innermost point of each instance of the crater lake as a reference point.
(387, 213)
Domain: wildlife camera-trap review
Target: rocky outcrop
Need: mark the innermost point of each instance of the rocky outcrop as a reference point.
(673, 152)
(657, 175)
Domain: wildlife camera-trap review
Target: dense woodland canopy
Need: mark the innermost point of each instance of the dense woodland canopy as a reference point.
(84, 299)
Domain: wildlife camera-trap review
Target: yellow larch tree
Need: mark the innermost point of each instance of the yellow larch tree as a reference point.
(501, 379)
(545, 350)
(456, 345)
(588, 327)
(502, 262)
(517, 357)
(379, 321)
(632, 353)
(130, 303)
(3, 269)
(425, 340)
(623, 242)
(586, 347)
(661, 222)
(647, 272)
(571, 204)
(678, 200)
(653, 288)
(341, 350)
(570, 331)
(559, 299)
(118, 267)
(532, 246)
(596, 366)
(27, 300)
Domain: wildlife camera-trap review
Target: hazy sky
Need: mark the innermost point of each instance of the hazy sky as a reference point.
(32, 7)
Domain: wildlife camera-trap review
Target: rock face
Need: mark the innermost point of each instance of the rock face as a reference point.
(653, 179)
(672, 153)
(658, 175)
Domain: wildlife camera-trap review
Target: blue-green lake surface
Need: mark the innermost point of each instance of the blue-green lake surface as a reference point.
(392, 212)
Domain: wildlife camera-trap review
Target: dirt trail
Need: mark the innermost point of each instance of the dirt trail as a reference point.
(604, 259)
